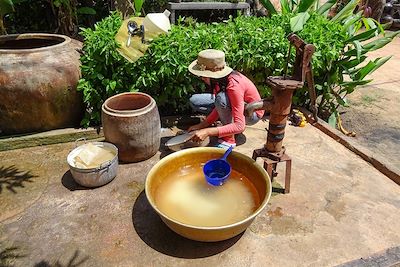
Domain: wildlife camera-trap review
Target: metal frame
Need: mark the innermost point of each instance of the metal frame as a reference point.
(271, 160)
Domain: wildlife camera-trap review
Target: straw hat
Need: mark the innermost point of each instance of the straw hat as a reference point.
(210, 63)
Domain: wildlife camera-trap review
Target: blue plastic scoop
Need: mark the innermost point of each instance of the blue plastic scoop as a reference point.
(217, 171)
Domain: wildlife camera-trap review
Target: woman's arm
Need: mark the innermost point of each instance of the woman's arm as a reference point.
(198, 126)
(202, 132)
(236, 98)
(210, 119)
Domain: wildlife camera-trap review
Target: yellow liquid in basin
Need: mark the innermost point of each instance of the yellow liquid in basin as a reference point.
(186, 197)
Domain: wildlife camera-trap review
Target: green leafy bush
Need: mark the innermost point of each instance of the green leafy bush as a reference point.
(255, 46)
(345, 71)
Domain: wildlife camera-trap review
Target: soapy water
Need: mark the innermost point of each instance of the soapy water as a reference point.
(217, 174)
(185, 196)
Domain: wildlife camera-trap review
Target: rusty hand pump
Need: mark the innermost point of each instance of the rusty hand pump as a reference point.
(279, 105)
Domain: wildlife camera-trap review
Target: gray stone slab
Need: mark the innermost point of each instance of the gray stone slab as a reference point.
(207, 5)
(245, 7)
(387, 258)
(48, 138)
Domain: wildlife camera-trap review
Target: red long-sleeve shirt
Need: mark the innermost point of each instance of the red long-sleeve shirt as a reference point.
(240, 90)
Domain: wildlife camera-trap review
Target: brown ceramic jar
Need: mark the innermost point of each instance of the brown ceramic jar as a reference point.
(39, 74)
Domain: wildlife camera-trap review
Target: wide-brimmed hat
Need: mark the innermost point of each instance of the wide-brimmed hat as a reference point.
(210, 63)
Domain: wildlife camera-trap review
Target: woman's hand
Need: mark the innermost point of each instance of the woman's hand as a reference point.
(201, 132)
(200, 135)
(196, 127)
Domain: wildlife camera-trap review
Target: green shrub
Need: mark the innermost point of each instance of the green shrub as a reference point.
(101, 68)
(341, 73)
(255, 46)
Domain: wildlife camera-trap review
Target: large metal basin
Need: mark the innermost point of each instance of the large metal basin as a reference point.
(192, 156)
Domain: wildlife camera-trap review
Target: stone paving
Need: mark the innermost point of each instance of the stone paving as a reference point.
(340, 209)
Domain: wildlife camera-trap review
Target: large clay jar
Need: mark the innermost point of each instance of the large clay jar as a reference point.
(131, 122)
(38, 78)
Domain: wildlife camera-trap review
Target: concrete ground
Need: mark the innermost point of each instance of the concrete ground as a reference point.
(339, 209)
(374, 110)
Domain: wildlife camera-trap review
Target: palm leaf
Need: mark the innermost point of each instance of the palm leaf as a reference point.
(346, 12)
(325, 7)
(6, 6)
(285, 7)
(355, 83)
(351, 20)
(348, 64)
(86, 11)
(363, 36)
(371, 67)
(298, 21)
(138, 5)
(380, 26)
(269, 6)
(381, 42)
(368, 23)
(304, 5)
(349, 87)
(357, 51)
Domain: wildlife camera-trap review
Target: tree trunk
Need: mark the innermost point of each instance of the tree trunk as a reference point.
(2, 28)
(377, 8)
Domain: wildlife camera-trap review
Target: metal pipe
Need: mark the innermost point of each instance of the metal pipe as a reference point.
(265, 104)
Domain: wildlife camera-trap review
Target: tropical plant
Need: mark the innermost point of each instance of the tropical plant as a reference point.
(350, 69)
(255, 46)
(130, 7)
(60, 16)
(6, 6)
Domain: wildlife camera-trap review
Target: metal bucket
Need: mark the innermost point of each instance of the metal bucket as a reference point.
(192, 156)
(94, 177)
